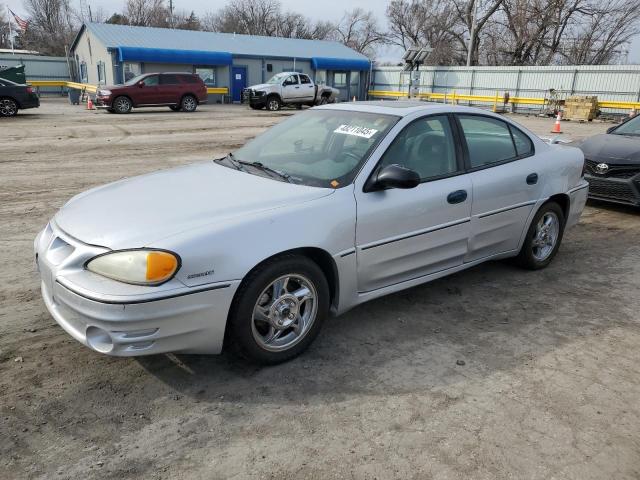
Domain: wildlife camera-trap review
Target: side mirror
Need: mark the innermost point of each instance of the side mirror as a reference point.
(611, 129)
(395, 176)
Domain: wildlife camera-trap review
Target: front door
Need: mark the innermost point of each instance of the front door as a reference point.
(291, 88)
(147, 93)
(507, 180)
(239, 82)
(406, 234)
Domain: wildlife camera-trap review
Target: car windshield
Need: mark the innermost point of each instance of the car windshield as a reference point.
(278, 78)
(322, 148)
(632, 127)
(134, 80)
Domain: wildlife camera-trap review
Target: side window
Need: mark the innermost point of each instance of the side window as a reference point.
(304, 79)
(291, 80)
(425, 146)
(488, 139)
(151, 81)
(524, 145)
(168, 80)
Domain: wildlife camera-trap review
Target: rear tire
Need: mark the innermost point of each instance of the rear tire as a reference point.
(543, 237)
(278, 310)
(189, 103)
(8, 107)
(273, 103)
(122, 105)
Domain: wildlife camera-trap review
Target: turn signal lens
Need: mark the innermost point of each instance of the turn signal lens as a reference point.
(138, 267)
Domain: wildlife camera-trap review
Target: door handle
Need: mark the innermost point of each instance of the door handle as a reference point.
(458, 196)
(532, 179)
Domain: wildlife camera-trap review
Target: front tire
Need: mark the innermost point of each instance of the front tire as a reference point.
(189, 103)
(273, 103)
(543, 237)
(8, 107)
(122, 105)
(279, 310)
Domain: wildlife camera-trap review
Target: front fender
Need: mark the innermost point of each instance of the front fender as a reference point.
(228, 251)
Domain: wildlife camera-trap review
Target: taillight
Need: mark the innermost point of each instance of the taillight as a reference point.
(29, 90)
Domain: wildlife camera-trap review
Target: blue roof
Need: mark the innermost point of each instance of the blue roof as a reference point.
(114, 36)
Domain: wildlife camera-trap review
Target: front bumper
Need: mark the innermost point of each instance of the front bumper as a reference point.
(254, 98)
(183, 319)
(103, 102)
(619, 183)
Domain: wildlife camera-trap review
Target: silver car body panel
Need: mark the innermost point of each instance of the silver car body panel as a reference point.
(223, 223)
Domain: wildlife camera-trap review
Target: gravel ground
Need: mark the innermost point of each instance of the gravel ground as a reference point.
(549, 387)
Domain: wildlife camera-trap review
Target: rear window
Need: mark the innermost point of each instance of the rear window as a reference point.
(488, 139)
(190, 78)
(169, 80)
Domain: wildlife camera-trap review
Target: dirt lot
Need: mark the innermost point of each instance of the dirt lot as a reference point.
(550, 387)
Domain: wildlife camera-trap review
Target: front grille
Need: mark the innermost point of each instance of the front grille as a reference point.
(614, 171)
(614, 190)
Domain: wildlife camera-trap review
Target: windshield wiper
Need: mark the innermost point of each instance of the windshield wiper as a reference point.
(235, 163)
(285, 176)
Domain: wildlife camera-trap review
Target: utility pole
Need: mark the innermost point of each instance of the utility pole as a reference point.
(474, 10)
(171, 13)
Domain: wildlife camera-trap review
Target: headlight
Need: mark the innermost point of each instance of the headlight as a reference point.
(104, 93)
(138, 267)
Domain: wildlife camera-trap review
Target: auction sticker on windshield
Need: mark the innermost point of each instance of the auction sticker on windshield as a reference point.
(355, 130)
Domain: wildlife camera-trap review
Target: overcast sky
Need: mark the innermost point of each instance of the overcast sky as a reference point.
(324, 9)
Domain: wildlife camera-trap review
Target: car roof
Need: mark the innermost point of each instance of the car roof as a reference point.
(169, 73)
(401, 108)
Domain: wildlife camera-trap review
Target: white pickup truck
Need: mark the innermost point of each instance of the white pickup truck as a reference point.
(288, 88)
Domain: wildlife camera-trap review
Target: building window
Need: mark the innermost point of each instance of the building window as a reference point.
(101, 73)
(83, 73)
(131, 69)
(354, 80)
(269, 67)
(208, 75)
(340, 79)
(321, 77)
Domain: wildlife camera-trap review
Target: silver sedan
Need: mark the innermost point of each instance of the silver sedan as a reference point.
(328, 209)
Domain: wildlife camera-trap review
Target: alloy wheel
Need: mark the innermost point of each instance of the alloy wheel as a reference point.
(122, 105)
(273, 105)
(546, 236)
(189, 104)
(284, 312)
(8, 107)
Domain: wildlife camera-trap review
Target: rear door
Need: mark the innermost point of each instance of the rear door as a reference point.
(307, 90)
(506, 179)
(402, 235)
(170, 89)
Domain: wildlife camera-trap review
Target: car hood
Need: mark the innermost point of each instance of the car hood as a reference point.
(262, 86)
(138, 211)
(612, 149)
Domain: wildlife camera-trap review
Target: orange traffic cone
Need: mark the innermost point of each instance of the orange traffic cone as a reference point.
(90, 103)
(556, 127)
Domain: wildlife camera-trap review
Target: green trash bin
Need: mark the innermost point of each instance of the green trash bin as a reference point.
(14, 74)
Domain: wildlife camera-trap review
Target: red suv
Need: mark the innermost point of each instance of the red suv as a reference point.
(178, 91)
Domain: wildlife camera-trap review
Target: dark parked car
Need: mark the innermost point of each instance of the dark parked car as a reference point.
(178, 91)
(14, 97)
(612, 163)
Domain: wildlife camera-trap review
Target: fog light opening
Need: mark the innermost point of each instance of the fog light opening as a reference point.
(99, 340)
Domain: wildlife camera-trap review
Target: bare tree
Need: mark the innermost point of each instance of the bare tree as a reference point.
(51, 27)
(186, 21)
(146, 13)
(359, 30)
(419, 23)
(5, 41)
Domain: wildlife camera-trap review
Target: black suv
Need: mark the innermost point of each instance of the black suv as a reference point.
(14, 97)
